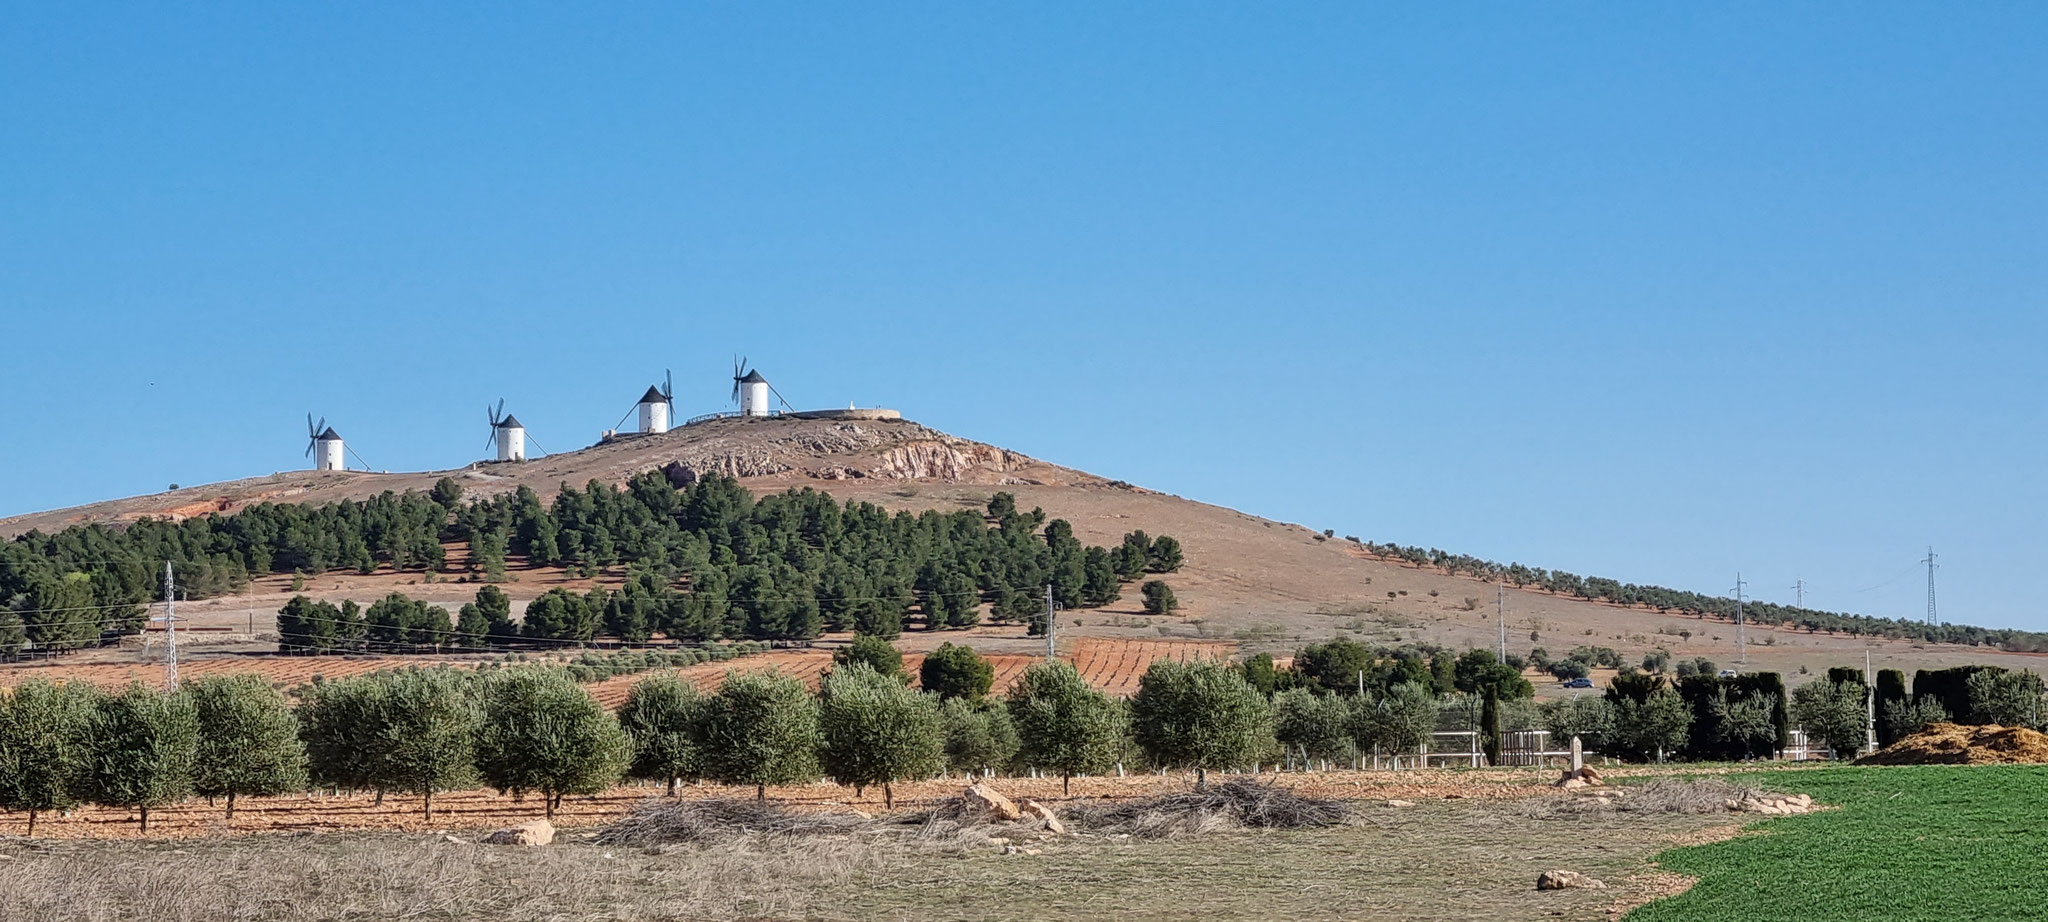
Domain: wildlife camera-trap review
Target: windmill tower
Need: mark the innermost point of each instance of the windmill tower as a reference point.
(506, 433)
(324, 445)
(655, 405)
(750, 390)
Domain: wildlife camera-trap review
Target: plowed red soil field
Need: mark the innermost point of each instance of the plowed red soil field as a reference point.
(284, 670)
(1111, 665)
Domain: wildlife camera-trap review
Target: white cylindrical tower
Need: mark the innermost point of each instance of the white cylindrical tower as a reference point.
(753, 395)
(511, 439)
(327, 451)
(653, 412)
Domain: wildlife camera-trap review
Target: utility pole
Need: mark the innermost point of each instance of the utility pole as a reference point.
(1931, 567)
(170, 620)
(1741, 625)
(1050, 653)
(1869, 706)
(1500, 608)
(1799, 586)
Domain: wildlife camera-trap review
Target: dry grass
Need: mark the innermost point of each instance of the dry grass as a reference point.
(315, 879)
(1660, 797)
(1232, 805)
(720, 820)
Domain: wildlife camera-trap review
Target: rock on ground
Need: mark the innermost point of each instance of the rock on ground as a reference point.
(533, 832)
(1043, 813)
(1567, 880)
(991, 803)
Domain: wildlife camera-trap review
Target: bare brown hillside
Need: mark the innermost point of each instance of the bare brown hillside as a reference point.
(1264, 585)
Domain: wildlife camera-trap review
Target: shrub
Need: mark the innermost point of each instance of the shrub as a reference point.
(543, 732)
(1201, 716)
(248, 740)
(956, 671)
(42, 745)
(664, 717)
(139, 746)
(1891, 688)
(875, 730)
(1064, 725)
(761, 728)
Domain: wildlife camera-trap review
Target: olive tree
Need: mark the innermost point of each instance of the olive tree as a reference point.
(664, 717)
(1903, 718)
(1314, 727)
(1586, 717)
(42, 746)
(543, 732)
(1660, 723)
(412, 731)
(1398, 720)
(761, 728)
(1201, 716)
(1063, 724)
(1832, 712)
(139, 746)
(2008, 699)
(248, 739)
(979, 735)
(876, 730)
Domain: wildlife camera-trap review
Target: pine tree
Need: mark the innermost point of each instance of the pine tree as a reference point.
(1159, 598)
(248, 740)
(1165, 556)
(956, 671)
(876, 653)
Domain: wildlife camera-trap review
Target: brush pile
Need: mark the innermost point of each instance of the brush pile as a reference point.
(1231, 805)
(673, 822)
(1956, 744)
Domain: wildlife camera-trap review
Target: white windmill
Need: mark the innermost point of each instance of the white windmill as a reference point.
(324, 445)
(506, 433)
(656, 405)
(750, 390)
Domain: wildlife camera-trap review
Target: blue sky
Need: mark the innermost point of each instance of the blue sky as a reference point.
(1656, 292)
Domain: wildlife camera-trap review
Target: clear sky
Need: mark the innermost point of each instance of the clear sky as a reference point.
(1651, 291)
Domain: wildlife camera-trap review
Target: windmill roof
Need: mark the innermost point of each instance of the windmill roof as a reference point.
(510, 422)
(653, 395)
(753, 377)
(329, 436)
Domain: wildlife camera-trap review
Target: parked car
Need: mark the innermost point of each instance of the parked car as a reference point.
(1728, 673)
(1580, 682)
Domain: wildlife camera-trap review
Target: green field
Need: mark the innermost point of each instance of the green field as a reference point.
(1939, 843)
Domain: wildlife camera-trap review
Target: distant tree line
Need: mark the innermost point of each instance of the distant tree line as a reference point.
(703, 561)
(1602, 589)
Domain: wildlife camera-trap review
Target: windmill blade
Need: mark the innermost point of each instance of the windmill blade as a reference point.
(668, 385)
(493, 440)
(310, 431)
(309, 448)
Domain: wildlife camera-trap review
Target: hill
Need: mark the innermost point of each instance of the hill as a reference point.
(1266, 586)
